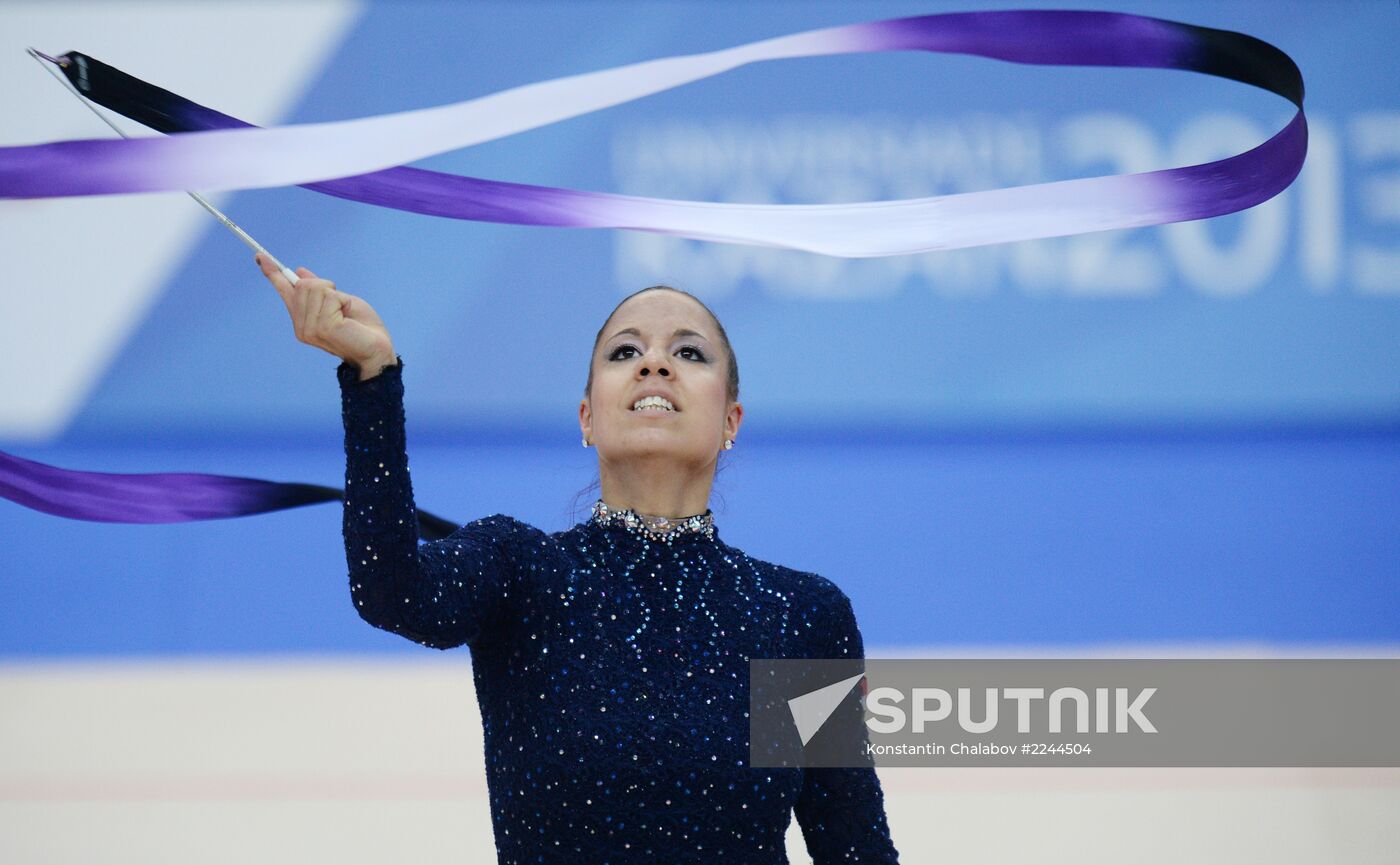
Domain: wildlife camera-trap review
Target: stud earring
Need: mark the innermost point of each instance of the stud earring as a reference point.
(729, 444)
(585, 442)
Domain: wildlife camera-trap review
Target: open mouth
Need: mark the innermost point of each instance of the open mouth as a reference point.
(657, 404)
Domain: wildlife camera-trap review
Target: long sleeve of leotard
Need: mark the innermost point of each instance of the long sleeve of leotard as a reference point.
(842, 810)
(441, 594)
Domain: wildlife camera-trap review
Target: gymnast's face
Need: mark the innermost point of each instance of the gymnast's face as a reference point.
(660, 344)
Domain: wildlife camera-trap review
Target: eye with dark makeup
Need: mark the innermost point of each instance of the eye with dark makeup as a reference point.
(699, 356)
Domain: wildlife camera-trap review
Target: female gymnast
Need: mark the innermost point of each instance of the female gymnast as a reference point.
(610, 659)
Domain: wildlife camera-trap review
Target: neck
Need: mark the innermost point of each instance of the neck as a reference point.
(658, 488)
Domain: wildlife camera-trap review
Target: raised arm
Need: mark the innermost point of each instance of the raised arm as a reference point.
(442, 594)
(842, 810)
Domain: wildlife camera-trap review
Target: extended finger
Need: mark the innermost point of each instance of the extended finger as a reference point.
(275, 276)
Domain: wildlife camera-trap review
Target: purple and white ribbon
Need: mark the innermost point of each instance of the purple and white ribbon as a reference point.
(362, 160)
(227, 154)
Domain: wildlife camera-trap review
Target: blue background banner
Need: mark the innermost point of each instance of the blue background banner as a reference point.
(1185, 434)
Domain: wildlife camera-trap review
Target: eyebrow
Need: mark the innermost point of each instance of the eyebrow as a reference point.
(680, 331)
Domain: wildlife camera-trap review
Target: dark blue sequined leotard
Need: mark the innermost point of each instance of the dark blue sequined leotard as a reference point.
(611, 670)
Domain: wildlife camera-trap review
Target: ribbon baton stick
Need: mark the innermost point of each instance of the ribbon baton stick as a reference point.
(242, 235)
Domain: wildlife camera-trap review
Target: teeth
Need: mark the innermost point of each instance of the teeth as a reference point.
(653, 402)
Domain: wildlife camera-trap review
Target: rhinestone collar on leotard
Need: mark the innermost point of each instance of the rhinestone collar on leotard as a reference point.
(652, 528)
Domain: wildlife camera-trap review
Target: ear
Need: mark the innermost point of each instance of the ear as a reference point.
(585, 418)
(733, 419)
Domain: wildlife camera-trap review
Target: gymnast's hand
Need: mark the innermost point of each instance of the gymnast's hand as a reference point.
(331, 320)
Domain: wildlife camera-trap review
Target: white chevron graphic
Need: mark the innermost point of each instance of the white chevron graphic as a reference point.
(811, 710)
(81, 273)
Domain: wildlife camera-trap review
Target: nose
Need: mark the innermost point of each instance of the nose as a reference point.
(654, 362)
